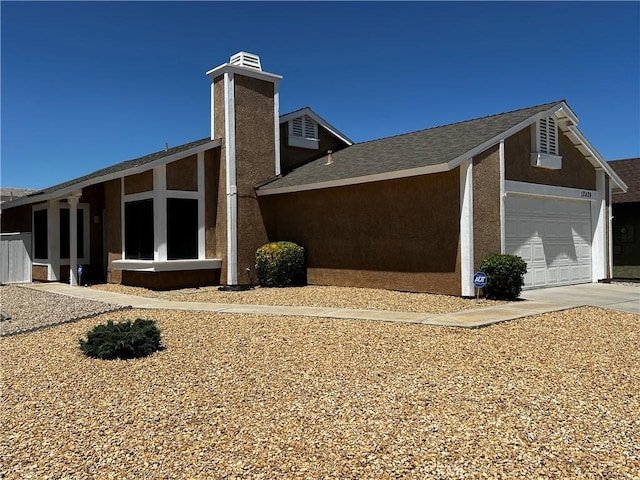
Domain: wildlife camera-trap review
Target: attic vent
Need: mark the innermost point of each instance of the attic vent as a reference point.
(303, 132)
(544, 151)
(548, 133)
(244, 59)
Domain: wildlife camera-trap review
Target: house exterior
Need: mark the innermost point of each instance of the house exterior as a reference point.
(626, 221)
(414, 212)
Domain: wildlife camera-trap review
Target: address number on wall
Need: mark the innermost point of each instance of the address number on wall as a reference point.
(585, 194)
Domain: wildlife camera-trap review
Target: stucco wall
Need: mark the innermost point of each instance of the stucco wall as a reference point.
(112, 223)
(183, 174)
(293, 157)
(399, 234)
(211, 198)
(170, 280)
(576, 171)
(255, 163)
(14, 220)
(39, 273)
(140, 182)
(486, 204)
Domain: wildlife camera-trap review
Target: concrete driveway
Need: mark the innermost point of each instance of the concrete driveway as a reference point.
(606, 295)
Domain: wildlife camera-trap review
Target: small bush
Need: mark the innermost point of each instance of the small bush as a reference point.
(281, 264)
(505, 276)
(122, 340)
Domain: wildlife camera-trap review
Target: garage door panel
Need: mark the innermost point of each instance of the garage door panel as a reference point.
(553, 236)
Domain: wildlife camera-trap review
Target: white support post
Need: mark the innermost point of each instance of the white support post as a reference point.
(466, 227)
(503, 195)
(202, 253)
(160, 213)
(276, 120)
(599, 224)
(53, 235)
(610, 229)
(232, 188)
(73, 239)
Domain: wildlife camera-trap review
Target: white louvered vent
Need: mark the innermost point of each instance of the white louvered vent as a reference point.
(244, 59)
(548, 136)
(303, 132)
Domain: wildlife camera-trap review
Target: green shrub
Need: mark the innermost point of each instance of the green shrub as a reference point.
(281, 264)
(122, 340)
(505, 276)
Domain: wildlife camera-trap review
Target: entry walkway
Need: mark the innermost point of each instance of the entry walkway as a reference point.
(534, 302)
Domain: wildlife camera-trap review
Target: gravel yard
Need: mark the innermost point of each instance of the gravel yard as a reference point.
(316, 296)
(30, 309)
(234, 396)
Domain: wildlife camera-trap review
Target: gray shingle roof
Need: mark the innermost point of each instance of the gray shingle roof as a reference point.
(136, 162)
(430, 147)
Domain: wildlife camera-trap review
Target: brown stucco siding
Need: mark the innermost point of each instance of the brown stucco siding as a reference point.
(255, 162)
(17, 219)
(171, 280)
(113, 222)
(576, 171)
(486, 204)
(220, 233)
(293, 157)
(140, 182)
(399, 234)
(183, 174)
(40, 273)
(211, 198)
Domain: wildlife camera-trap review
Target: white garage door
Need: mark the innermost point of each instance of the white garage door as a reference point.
(553, 236)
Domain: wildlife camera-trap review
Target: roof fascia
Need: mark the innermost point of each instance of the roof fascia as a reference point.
(318, 119)
(378, 177)
(111, 176)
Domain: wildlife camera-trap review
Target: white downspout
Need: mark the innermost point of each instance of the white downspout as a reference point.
(232, 187)
(599, 222)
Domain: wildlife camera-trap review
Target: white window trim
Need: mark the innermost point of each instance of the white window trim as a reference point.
(85, 259)
(159, 194)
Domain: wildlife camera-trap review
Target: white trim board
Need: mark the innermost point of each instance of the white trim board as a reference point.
(167, 265)
(523, 188)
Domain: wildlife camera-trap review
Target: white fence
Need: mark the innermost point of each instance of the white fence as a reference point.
(15, 257)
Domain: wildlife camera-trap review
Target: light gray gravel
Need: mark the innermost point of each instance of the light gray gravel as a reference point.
(31, 309)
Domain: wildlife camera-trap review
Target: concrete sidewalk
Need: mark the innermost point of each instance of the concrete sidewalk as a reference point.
(534, 302)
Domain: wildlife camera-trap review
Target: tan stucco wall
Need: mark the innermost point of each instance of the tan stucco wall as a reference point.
(170, 280)
(486, 204)
(255, 163)
(576, 171)
(39, 273)
(141, 182)
(293, 157)
(220, 233)
(211, 199)
(399, 234)
(14, 220)
(112, 223)
(183, 174)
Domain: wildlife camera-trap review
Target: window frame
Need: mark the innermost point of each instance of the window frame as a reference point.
(84, 210)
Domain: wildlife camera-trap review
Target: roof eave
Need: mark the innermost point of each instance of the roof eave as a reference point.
(37, 198)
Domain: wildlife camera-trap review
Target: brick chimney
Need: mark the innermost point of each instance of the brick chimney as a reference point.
(245, 115)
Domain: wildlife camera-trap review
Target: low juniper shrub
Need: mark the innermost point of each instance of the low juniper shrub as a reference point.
(122, 340)
(281, 264)
(505, 276)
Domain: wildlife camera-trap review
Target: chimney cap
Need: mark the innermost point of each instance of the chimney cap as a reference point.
(245, 59)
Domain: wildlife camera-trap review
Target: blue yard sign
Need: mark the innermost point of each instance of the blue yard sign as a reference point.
(480, 279)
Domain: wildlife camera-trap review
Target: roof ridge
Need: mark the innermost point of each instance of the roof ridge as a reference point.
(457, 123)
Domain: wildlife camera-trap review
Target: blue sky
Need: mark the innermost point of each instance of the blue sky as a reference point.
(87, 85)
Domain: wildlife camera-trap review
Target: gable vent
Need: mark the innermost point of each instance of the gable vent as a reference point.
(244, 59)
(548, 136)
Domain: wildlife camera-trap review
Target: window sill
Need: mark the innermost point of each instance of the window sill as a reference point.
(167, 265)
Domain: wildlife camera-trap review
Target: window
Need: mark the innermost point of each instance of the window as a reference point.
(65, 244)
(182, 228)
(303, 132)
(40, 234)
(138, 230)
